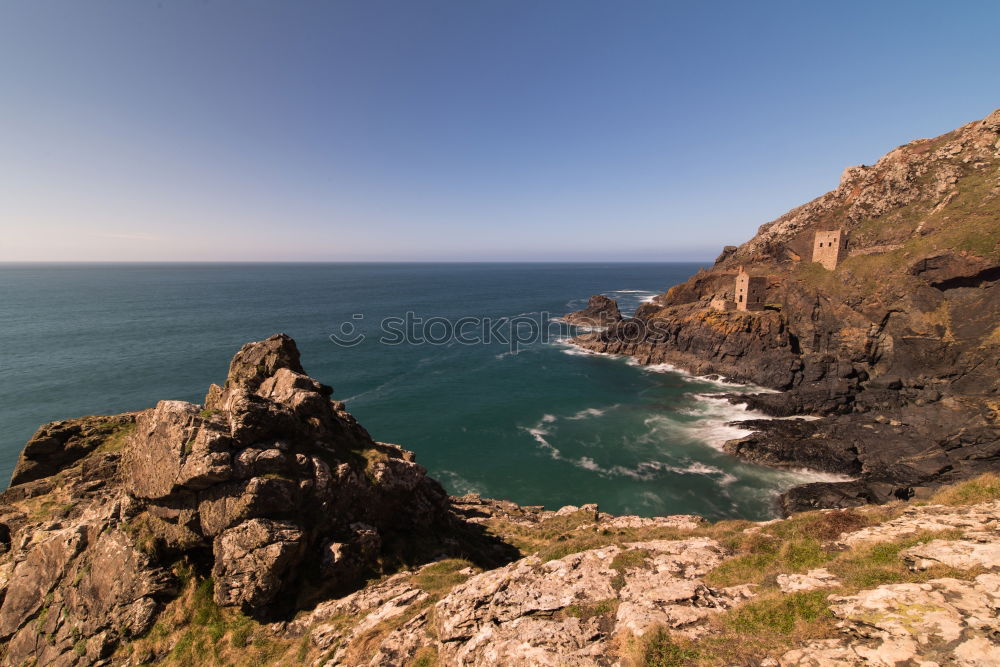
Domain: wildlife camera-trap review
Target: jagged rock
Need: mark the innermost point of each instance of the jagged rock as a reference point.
(174, 448)
(274, 489)
(751, 347)
(820, 653)
(677, 521)
(600, 312)
(727, 251)
(567, 610)
(943, 620)
(85, 579)
(56, 445)
(253, 560)
(255, 362)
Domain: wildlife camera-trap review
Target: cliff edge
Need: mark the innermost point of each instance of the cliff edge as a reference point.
(875, 307)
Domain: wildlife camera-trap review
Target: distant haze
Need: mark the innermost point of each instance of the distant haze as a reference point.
(515, 130)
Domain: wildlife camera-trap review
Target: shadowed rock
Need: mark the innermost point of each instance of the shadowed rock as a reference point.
(600, 312)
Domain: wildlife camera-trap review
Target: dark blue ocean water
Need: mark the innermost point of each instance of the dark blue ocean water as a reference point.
(548, 425)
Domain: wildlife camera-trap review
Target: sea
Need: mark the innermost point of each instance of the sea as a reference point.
(466, 364)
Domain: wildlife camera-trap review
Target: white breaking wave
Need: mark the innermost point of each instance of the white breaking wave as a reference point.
(644, 471)
(459, 484)
(538, 433)
(591, 412)
(577, 351)
(709, 379)
(717, 421)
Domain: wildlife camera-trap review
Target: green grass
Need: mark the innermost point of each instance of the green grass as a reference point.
(115, 441)
(426, 656)
(194, 630)
(592, 609)
(660, 650)
(442, 576)
(978, 490)
(624, 561)
(778, 613)
(794, 545)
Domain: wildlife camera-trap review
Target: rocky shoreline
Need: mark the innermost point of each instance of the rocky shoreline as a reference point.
(266, 526)
(892, 344)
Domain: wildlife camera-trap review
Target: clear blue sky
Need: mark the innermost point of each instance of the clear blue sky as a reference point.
(458, 130)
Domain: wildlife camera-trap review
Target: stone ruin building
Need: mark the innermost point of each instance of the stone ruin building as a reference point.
(750, 291)
(828, 247)
(749, 294)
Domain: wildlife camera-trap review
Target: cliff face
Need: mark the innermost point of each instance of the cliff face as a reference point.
(267, 527)
(897, 346)
(271, 488)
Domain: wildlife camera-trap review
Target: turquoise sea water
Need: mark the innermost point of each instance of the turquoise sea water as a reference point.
(548, 425)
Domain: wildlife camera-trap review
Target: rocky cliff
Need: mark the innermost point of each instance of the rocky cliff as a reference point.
(897, 347)
(600, 312)
(267, 527)
(270, 488)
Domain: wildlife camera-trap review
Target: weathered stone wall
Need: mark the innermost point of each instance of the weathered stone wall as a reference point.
(750, 291)
(827, 247)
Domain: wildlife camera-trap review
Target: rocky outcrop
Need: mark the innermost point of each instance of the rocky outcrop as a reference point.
(270, 488)
(942, 621)
(896, 348)
(578, 609)
(600, 312)
(277, 481)
(551, 613)
(59, 444)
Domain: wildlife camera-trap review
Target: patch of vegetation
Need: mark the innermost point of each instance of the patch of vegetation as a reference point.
(793, 545)
(592, 609)
(778, 613)
(115, 441)
(277, 475)
(194, 630)
(880, 563)
(208, 413)
(561, 536)
(660, 650)
(978, 490)
(442, 576)
(424, 657)
(626, 560)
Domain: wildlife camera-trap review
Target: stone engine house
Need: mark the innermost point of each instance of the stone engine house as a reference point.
(750, 291)
(828, 248)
